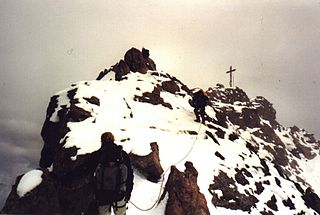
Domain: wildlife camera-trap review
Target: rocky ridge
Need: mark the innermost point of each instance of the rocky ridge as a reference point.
(241, 160)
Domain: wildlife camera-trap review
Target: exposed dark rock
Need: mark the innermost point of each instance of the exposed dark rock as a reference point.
(266, 212)
(93, 100)
(250, 117)
(219, 132)
(51, 133)
(184, 194)
(278, 149)
(265, 168)
(192, 132)
(31, 203)
(265, 110)
(72, 93)
(280, 171)
(125, 139)
(307, 152)
(219, 155)
(288, 203)
(240, 178)
(170, 86)
(53, 104)
(277, 181)
(103, 73)
(120, 70)
(229, 95)
(148, 165)
(233, 137)
(137, 62)
(212, 137)
(78, 114)
(312, 200)
(272, 203)
(252, 148)
(231, 198)
(151, 64)
(145, 53)
(259, 187)
(221, 117)
(297, 185)
(153, 98)
(246, 172)
(267, 182)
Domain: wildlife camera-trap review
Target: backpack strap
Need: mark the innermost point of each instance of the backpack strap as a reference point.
(102, 181)
(119, 172)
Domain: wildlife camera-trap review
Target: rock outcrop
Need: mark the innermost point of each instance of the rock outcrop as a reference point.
(139, 61)
(134, 60)
(184, 194)
(148, 165)
(31, 203)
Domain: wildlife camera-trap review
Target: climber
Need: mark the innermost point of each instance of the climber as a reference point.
(199, 101)
(113, 177)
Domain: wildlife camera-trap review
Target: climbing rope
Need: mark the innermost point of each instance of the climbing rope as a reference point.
(176, 163)
(165, 172)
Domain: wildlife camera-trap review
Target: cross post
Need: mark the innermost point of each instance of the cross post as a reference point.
(230, 72)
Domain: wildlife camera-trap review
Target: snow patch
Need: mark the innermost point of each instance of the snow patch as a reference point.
(29, 181)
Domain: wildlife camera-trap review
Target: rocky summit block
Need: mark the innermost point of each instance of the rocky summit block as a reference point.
(139, 62)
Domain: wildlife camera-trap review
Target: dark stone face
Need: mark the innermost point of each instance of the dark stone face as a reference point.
(184, 194)
(153, 98)
(148, 165)
(135, 60)
(231, 198)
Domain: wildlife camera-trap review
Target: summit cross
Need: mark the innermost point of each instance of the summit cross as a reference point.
(231, 77)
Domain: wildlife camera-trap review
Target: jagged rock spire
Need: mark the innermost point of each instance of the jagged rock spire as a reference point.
(134, 60)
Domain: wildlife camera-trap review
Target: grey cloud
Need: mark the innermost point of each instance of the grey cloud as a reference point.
(20, 151)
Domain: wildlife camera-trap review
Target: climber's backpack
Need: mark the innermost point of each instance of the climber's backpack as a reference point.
(111, 175)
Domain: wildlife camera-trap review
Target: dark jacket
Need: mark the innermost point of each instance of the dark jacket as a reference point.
(105, 153)
(199, 99)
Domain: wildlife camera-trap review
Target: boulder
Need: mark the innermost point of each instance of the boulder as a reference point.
(139, 62)
(43, 199)
(120, 70)
(311, 199)
(170, 86)
(184, 193)
(93, 100)
(148, 165)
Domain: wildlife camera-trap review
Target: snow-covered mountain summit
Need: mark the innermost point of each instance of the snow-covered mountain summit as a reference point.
(240, 161)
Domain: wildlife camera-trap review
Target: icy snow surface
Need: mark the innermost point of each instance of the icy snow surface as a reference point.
(29, 181)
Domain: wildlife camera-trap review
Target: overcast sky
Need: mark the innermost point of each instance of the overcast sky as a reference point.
(47, 45)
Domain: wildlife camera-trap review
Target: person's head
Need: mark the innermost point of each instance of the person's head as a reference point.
(107, 138)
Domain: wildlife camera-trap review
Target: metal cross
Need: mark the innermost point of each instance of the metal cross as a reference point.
(231, 78)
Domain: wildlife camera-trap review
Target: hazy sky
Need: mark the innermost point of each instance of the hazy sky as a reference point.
(47, 45)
